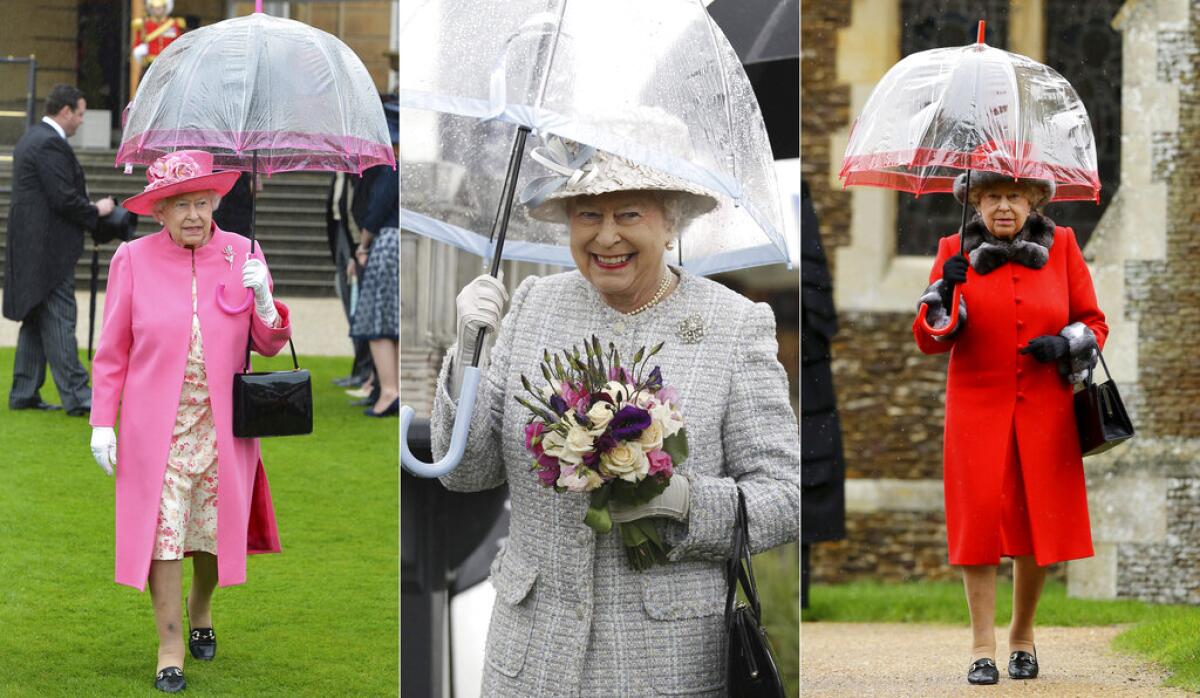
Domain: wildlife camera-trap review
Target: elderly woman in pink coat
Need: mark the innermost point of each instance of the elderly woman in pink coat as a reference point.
(167, 356)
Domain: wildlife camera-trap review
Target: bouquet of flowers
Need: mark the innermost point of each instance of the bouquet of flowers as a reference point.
(609, 430)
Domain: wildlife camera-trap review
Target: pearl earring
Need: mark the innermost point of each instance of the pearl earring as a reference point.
(670, 244)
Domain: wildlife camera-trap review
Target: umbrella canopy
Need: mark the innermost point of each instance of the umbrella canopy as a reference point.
(938, 112)
(654, 82)
(293, 95)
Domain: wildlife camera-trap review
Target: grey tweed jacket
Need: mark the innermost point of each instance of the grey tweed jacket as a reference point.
(572, 618)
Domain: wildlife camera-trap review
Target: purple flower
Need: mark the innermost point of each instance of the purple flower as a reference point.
(592, 458)
(604, 443)
(548, 476)
(558, 404)
(628, 424)
(654, 382)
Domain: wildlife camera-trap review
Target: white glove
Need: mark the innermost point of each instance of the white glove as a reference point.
(140, 51)
(480, 304)
(254, 277)
(672, 504)
(104, 448)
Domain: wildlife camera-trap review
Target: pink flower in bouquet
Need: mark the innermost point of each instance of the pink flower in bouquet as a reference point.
(620, 373)
(668, 394)
(579, 479)
(574, 397)
(660, 462)
(532, 431)
(548, 475)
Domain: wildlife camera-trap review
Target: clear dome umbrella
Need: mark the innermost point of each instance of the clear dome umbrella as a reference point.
(262, 94)
(941, 112)
(654, 82)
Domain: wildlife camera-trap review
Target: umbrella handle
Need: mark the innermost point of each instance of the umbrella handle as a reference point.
(233, 310)
(458, 438)
(950, 328)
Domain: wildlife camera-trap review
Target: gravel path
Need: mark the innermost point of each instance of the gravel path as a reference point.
(892, 659)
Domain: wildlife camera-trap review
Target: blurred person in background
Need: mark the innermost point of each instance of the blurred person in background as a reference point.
(46, 225)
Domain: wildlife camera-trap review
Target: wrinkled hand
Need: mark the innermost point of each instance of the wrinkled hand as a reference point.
(1048, 347)
(104, 448)
(254, 277)
(672, 504)
(105, 206)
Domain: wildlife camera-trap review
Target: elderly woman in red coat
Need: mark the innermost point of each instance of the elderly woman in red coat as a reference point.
(1025, 329)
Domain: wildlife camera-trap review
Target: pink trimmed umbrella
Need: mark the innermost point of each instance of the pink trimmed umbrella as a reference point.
(262, 94)
(940, 112)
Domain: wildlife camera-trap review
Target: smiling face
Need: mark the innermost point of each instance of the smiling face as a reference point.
(1004, 208)
(617, 241)
(188, 217)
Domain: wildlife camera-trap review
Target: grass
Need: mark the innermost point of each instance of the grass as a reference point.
(777, 575)
(1166, 634)
(318, 620)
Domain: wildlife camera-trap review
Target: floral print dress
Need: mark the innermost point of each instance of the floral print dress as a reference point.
(187, 513)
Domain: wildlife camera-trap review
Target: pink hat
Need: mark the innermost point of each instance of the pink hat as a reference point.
(177, 173)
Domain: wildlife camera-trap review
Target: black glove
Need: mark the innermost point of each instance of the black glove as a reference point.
(954, 271)
(1048, 347)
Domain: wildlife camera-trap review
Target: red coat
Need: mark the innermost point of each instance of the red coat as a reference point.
(992, 391)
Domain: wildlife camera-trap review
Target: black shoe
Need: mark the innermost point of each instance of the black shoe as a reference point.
(80, 411)
(33, 404)
(348, 382)
(170, 680)
(983, 672)
(203, 644)
(391, 411)
(1023, 665)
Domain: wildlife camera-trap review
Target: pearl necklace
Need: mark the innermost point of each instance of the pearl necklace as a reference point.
(662, 291)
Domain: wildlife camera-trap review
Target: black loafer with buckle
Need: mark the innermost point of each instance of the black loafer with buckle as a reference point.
(983, 672)
(170, 680)
(203, 644)
(1023, 665)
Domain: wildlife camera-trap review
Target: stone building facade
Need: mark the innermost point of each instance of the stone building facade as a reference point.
(1145, 495)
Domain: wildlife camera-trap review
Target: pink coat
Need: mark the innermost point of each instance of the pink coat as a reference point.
(139, 368)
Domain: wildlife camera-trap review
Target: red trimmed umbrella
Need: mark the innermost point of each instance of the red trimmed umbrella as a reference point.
(941, 112)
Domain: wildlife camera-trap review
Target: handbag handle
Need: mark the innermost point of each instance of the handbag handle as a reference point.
(250, 340)
(740, 568)
(1107, 375)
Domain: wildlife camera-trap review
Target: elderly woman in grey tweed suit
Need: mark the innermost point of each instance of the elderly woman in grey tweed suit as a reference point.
(572, 617)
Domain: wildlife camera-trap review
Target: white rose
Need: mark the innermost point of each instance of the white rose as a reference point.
(671, 421)
(555, 444)
(579, 479)
(652, 436)
(578, 441)
(600, 415)
(626, 461)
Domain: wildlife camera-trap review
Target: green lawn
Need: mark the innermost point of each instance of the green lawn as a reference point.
(777, 574)
(1169, 635)
(318, 620)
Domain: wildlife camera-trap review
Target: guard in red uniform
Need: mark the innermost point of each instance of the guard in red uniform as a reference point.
(152, 34)
(1027, 327)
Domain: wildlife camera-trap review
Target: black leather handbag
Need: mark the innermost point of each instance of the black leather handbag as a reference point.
(750, 667)
(1100, 415)
(272, 403)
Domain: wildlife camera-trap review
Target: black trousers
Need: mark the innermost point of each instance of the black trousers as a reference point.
(48, 335)
(363, 366)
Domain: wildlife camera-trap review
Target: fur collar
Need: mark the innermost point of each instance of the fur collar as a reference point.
(1030, 247)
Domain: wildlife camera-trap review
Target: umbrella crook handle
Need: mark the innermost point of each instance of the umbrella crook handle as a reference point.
(458, 437)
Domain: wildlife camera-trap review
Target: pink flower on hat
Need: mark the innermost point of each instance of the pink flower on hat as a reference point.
(171, 169)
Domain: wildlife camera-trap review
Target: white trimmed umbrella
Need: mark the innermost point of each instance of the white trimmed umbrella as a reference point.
(477, 78)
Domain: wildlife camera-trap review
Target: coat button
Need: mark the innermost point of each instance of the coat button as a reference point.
(583, 537)
(1020, 396)
(1020, 324)
(1017, 301)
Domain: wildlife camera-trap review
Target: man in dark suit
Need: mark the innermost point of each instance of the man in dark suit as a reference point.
(49, 215)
